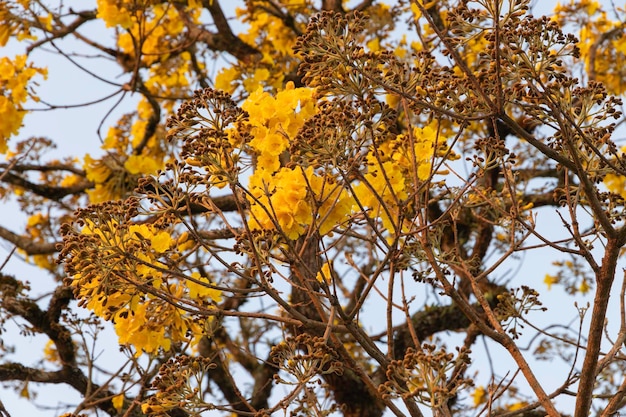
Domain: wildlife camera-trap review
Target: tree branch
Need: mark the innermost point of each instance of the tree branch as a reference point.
(46, 191)
(47, 322)
(26, 244)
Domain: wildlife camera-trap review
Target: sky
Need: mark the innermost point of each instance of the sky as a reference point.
(74, 129)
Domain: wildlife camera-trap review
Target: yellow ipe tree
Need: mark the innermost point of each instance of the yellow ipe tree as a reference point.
(332, 221)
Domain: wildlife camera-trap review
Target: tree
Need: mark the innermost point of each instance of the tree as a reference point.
(326, 225)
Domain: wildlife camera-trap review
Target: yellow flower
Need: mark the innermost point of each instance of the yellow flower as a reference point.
(479, 396)
(141, 164)
(142, 230)
(161, 242)
(268, 162)
(46, 21)
(324, 275)
(118, 401)
(202, 291)
(44, 262)
(584, 287)
(113, 15)
(374, 45)
(527, 206)
(616, 184)
(70, 180)
(335, 204)
(36, 219)
(516, 406)
(225, 79)
(10, 121)
(50, 352)
(280, 198)
(424, 171)
(184, 242)
(7, 69)
(256, 81)
(592, 7)
(5, 33)
(131, 329)
(96, 170)
(620, 44)
(268, 143)
(550, 280)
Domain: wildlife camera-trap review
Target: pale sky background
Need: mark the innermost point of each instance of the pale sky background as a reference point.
(74, 131)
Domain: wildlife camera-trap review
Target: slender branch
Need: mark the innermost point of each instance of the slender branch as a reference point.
(82, 18)
(604, 282)
(46, 322)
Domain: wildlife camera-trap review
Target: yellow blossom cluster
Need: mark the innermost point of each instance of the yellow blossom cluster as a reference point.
(616, 184)
(121, 275)
(285, 198)
(39, 229)
(114, 13)
(111, 180)
(12, 23)
(170, 78)
(135, 146)
(275, 121)
(267, 26)
(275, 42)
(290, 199)
(229, 78)
(155, 34)
(280, 201)
(152, 154)
(115, 173)
(395, 168)
(602, 41)
(7, 24)
(15, 75)
(381, 191)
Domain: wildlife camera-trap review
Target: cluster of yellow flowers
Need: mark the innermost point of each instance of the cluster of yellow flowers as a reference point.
(131, 290)
(114, 14)
(282, 197)
(602, 41)
(394, 168)
(116, 172)
(273, 39)
(292, 198)
(38, 228)
(153, 32)
(14, 78)
(616, 183)
(276, 120)
(12, 23)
